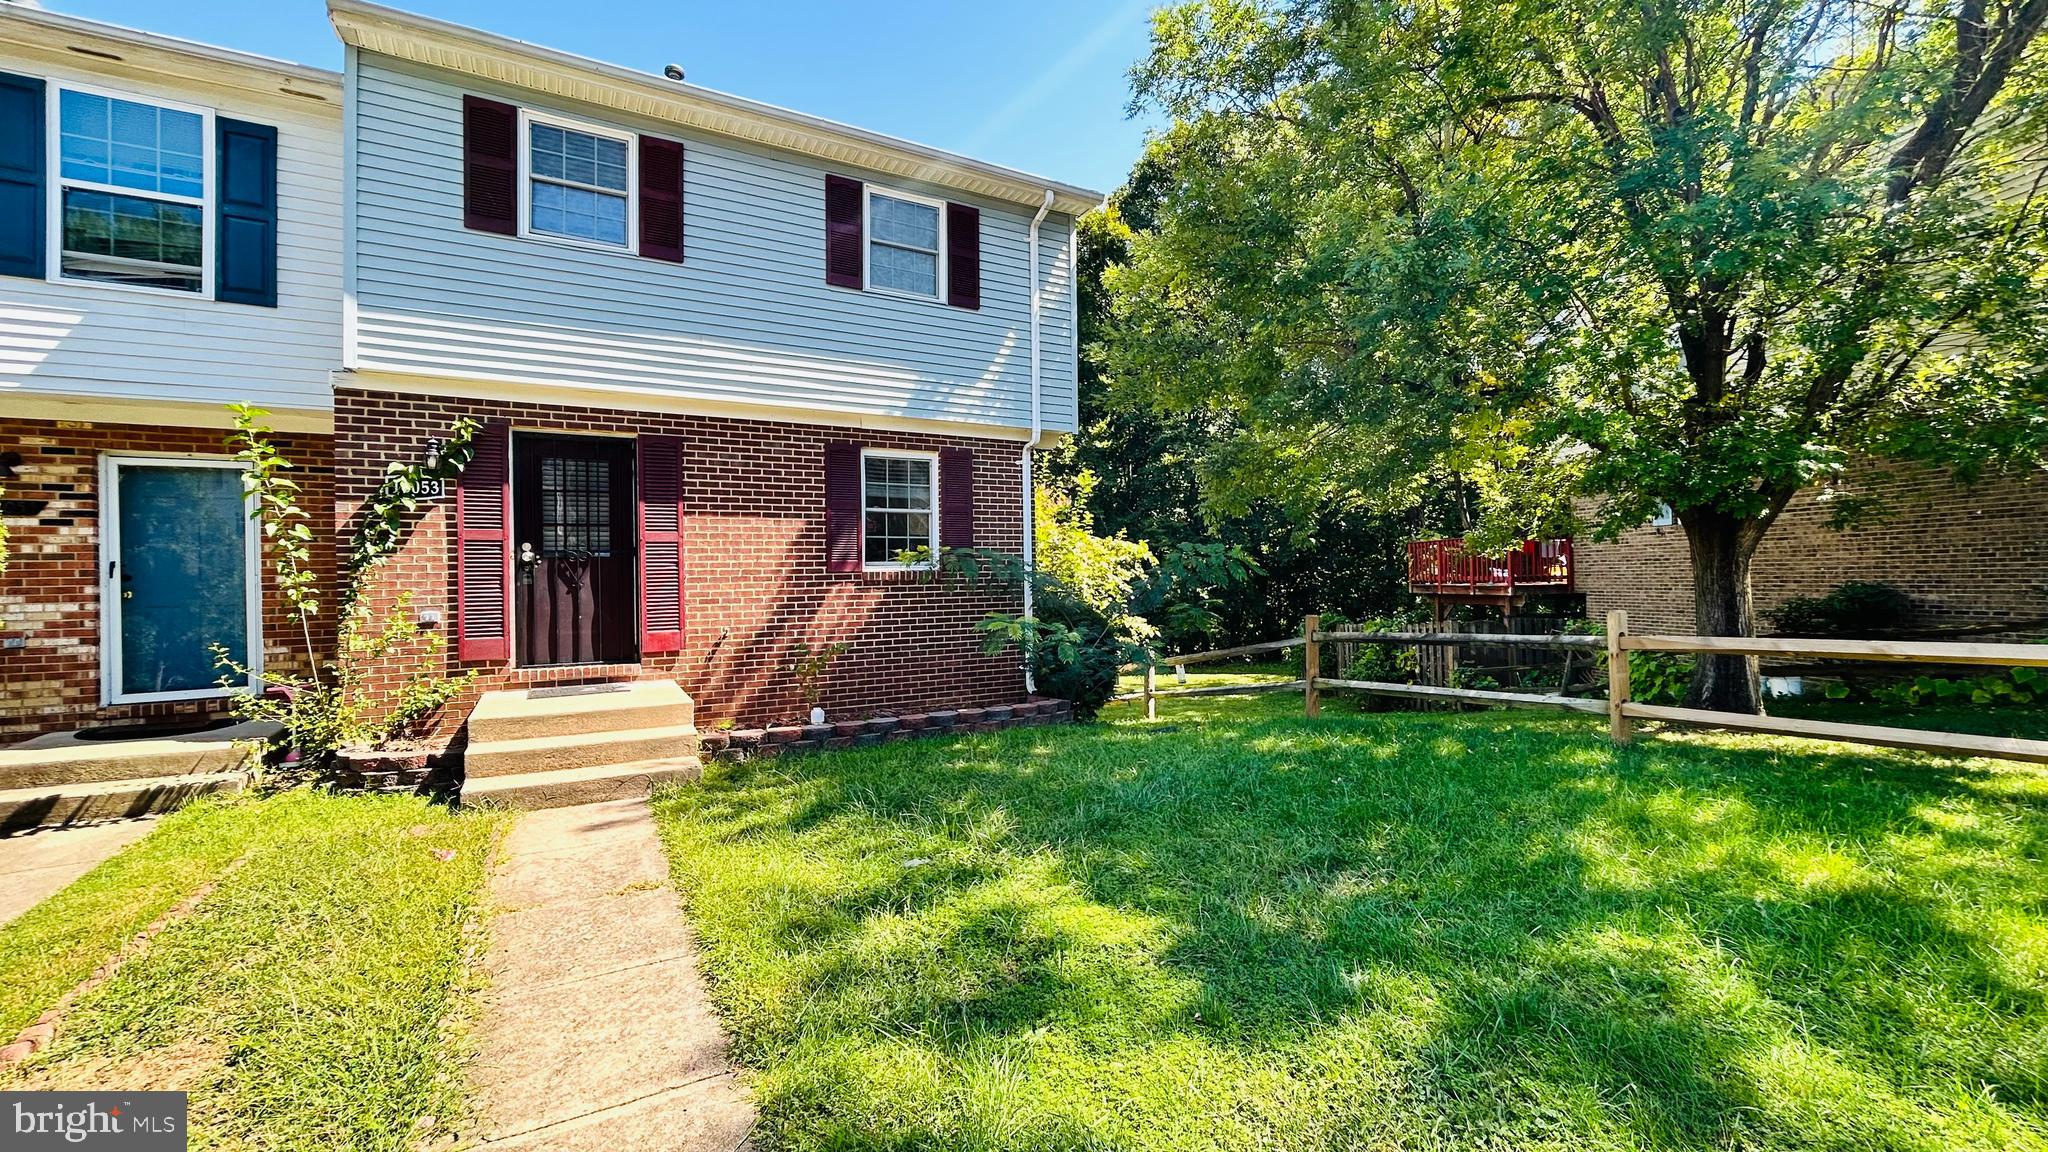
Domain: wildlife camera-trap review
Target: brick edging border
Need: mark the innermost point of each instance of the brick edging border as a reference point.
(40, 1034)
(797, 739)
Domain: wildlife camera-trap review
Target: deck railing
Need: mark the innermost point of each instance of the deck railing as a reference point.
(1621, 712)
(1449, 566)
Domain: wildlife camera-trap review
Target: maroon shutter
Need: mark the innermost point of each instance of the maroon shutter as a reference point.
(661, 199)
(490, 166)
(963, 256)
(661, 544)
(483, 553)
(842, 507)
(956, 497)
(843, 213)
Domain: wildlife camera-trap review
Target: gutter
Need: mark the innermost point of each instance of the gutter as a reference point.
(1037, 425)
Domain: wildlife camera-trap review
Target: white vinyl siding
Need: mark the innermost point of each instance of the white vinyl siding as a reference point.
(748, 319)
(70, 339)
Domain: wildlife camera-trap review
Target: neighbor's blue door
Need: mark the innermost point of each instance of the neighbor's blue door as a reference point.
(181, 574)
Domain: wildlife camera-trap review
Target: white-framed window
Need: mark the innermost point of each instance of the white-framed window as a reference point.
(1664, 518)
(577, 182)
(181, 571)
(899, 499)
(906, 243)
(131, 203)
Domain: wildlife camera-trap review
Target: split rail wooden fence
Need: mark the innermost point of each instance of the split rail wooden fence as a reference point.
(1621, 712)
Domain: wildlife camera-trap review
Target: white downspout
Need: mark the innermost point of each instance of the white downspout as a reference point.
(1037, 426)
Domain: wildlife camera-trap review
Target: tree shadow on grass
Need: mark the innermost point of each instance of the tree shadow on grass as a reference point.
(1533, 937)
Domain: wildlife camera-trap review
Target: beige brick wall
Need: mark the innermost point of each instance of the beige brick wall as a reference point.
(1967, 556)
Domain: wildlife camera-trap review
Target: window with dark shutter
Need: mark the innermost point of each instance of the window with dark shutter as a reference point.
(245, 212)
(956, 498)
(661, 199)
(661, 544)
(21, 176)
(963, 256)
(843, 210)
(842, 507)
(490, 166)
(483, 554)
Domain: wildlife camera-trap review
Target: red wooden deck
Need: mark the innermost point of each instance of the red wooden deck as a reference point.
(1448, 568)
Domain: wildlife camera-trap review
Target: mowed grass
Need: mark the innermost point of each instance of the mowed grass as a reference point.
(1236, 929)
(57, 943)
(311, 1000)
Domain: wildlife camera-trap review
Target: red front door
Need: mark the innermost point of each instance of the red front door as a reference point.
(573, 550)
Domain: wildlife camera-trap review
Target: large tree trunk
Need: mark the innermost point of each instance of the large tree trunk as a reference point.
(1721, 551)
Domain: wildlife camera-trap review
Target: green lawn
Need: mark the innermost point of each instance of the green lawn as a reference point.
(1237, 929)
(309, 1002)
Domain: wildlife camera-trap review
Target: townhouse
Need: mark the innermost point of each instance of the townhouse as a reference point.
(170, 242)
(739, 372)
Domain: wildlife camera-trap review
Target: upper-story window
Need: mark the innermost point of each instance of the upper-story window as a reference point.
(579, 183)
(906, 237)
(131, 193)
(900, 509)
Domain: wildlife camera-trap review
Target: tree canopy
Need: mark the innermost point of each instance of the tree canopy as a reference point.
(1694, 253)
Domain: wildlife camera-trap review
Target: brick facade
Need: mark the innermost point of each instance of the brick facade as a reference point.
(754, 583)
(49, 598)
(1967, 556)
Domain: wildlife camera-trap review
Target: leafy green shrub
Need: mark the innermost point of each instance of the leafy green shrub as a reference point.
(321, 715)
(1385, 663)
(346, 709)
(808, 665)
(1860, 608)
(1093, 597)
(1658, 677)
(2014, 686)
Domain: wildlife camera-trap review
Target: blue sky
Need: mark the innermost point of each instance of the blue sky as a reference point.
(1039, 87)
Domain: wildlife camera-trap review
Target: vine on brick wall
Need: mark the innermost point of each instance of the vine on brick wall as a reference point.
(389, 510)
(346, 709)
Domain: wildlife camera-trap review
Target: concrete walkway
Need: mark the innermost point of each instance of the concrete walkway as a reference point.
(36, 863)
(596, 1033)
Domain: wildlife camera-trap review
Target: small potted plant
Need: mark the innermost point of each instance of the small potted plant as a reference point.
(808, 665)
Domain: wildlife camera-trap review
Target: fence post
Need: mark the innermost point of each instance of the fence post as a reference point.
(1311, 663)
(1151, 686)
(1617, 677)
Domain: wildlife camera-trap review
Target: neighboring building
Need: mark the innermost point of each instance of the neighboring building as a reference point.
(170, 242)
(1972, 558)
(739, 370)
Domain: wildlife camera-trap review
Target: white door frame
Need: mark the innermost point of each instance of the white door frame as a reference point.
(110, 584)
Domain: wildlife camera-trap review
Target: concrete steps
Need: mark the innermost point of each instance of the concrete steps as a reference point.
(56, 805)
(60, 779)
(545, 748)
(560, 789)
(581, 750)
(579, 711)
(61, 758)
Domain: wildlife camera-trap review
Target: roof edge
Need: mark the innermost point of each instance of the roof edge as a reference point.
(441, 44)
(62, 25)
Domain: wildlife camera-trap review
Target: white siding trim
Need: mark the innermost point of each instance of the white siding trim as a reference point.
(657, 400)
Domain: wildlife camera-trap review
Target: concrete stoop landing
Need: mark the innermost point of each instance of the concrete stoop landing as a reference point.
(60, 779)
(554, 747)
